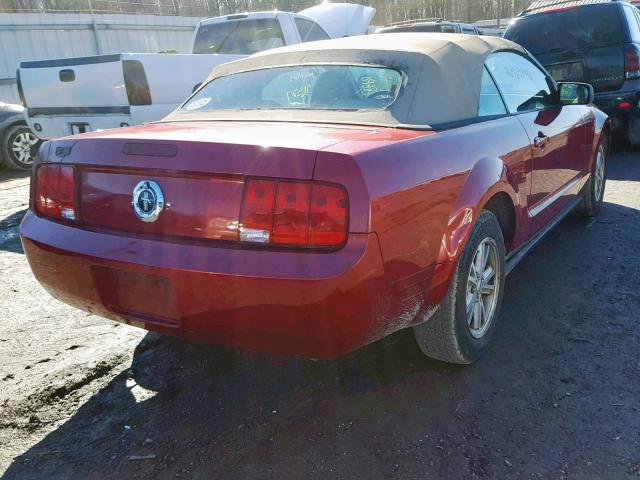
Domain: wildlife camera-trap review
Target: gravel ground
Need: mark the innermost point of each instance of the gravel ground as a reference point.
(556, 397)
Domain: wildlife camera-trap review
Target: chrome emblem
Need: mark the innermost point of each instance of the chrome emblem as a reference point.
(148, 200)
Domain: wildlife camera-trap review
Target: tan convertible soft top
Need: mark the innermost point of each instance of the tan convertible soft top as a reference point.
(443, 73)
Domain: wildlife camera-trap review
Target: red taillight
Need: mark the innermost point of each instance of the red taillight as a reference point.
(624, 104)
(631, 61)
(256, 219)
(291, 218)
(284, 212)
(55, 193)
(328, 215)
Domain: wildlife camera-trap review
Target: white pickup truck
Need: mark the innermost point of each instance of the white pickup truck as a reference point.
(76, 95)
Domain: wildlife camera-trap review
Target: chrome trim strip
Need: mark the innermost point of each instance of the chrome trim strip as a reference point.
(551, 199)
(514, 258)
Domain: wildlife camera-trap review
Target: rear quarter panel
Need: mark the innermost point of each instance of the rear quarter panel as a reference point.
(424, 193)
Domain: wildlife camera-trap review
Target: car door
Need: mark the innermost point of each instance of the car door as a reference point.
(557, 133)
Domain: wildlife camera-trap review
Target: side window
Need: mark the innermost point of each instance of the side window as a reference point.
(632, 20)
(490, 101)
(469, 30)
(523, 85)
(309, 30)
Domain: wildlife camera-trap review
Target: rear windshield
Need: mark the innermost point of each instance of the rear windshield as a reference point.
(574, 28)
(239, 37)
(318, 87)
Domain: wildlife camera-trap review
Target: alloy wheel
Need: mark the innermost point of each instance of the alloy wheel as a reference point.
(599, 174)
(23, 149)
(482, 288)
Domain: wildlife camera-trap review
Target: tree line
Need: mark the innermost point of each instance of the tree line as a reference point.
(387, 11)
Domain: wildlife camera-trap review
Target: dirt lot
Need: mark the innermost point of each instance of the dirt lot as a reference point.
(558, 395)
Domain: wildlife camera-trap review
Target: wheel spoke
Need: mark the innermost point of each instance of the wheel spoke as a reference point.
(479, 265)
(471, 302)
(485, 258)
(478, 309)
(488, 274)
(483, 309)
(487, 289)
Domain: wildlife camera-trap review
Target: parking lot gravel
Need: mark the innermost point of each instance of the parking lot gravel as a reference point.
(556, 397)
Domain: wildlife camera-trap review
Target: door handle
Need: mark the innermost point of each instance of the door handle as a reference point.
(541, 140)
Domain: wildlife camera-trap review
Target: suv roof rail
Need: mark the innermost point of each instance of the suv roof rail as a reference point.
(543, 5)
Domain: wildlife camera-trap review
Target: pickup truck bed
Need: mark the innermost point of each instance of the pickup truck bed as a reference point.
(80, 94)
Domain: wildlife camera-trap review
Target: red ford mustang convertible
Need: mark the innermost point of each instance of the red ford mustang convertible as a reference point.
(312, 199)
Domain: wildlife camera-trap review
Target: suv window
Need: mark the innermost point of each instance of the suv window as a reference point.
(468, 29)
(239, 37)
(523, 85)
(490, 101)
(632, 20)
(309, 30)
(587, 26)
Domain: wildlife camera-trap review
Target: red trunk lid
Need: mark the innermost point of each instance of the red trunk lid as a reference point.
(201, 169)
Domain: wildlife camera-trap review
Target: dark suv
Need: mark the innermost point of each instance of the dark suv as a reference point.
(596, 42)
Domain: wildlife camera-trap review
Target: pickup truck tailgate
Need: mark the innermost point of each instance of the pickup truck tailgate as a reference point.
(79, 82)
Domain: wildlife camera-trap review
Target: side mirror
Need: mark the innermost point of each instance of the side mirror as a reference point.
(575, 93)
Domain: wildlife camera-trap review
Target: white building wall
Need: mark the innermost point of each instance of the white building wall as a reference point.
(41, 36)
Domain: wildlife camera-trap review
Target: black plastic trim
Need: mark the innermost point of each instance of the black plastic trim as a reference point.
(515, 257)
(68, 62)
(126, 109)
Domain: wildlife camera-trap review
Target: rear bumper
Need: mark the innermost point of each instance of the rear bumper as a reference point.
(609, 103)
(55, 126)
(313, 304)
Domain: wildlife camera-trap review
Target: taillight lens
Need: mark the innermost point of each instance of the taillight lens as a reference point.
(55, 192)
(631, 61)
(284, 212)
(328, 217)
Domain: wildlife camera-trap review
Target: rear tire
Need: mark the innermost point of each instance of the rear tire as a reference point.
(593, 191)
(456, 333)
(19, 147)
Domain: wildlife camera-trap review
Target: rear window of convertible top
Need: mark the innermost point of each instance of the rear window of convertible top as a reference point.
(314, 87)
